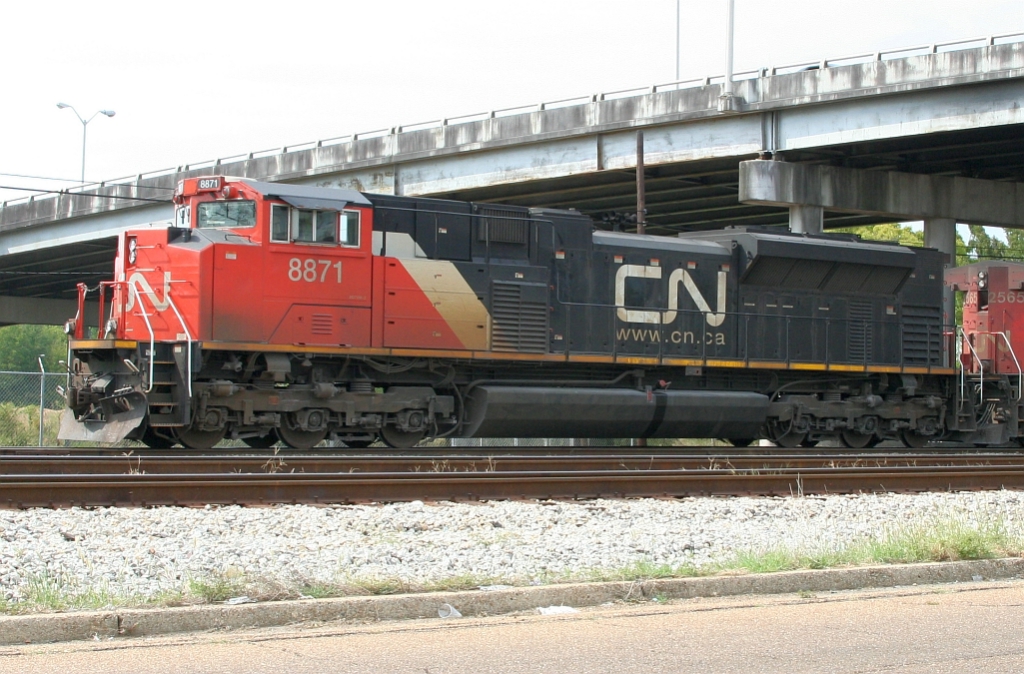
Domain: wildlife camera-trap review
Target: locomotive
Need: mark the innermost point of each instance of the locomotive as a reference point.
(274, 313)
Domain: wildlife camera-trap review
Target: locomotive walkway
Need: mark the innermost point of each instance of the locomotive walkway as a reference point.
(53, 480)
(935, 115)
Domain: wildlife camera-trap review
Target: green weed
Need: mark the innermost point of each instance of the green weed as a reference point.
(215, 587)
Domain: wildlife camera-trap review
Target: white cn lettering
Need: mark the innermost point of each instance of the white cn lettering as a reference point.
(682, 276)
(631, 315)
(142, 287)
(715, 319)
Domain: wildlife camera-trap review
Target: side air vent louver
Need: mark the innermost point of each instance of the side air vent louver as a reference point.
(788, 273)
(860, 332)
(321, 324)
(922, 336)
(865, 278)
(519, 317)
(824, 275)
(503, 225)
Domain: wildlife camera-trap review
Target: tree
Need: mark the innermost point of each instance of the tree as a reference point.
(892, 231)
(20, 346)
(984, 246)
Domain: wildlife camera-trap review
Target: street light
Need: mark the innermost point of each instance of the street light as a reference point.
(85, 124)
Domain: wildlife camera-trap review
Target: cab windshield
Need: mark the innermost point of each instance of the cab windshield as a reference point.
(234, 214)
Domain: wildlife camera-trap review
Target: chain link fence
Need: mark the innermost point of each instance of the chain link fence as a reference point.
(26, 398)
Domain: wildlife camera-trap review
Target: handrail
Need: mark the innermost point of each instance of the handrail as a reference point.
(188, 335)
(152, 338)
(1009, 347)
(530, 108)
(981, 366)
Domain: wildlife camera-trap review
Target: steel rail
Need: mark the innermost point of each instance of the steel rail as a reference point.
(306, 463)
(484, 452)
(24, 491)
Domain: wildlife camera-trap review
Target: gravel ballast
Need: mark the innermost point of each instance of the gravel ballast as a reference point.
(148, 552)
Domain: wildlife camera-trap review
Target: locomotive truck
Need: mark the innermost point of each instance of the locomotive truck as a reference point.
(274, 313)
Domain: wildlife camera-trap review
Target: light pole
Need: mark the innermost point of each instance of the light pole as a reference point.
(678, 29)
(729, 101)
(85, 125)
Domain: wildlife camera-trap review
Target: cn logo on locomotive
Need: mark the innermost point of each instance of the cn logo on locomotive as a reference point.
(142, 287)
(677, 277)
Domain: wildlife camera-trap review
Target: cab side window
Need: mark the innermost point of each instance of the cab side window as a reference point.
(302, 225)
(312, 226)
(326, 227)
(349, 229)
(279, 223)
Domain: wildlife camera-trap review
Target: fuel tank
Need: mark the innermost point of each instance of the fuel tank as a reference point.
(538, 411)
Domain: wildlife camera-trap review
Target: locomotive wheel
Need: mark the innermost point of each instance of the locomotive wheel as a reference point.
(807, 442)
(913, 439)
(296, 438)
(153, 441)
(397, 439)
(790, 440)
(261, 441)
(196, 439)
(855, 440)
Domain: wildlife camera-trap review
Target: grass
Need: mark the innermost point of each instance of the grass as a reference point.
(639, 570)
(215, 588)
(49, 593)
(942, 539)
(19, 425)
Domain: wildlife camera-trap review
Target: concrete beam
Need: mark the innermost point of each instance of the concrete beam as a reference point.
(940, 233)
(904, 196)
(38, 311)
(806, 219)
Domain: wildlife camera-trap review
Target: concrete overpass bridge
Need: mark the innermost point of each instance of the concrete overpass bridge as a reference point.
(934, 132)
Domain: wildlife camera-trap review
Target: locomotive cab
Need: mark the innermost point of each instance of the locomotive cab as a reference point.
(288, 264)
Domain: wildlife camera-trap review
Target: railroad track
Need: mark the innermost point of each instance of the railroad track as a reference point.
(484, 452)
(58, 478)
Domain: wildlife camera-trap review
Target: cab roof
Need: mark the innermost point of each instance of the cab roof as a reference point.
(302, 196)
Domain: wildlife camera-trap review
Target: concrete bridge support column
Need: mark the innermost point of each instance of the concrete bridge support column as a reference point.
(806, 219)
(940, 233)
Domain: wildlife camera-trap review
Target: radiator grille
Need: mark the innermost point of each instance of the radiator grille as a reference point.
(860, 331)
(503, 225)
(321, 324)
(517, 323)
(922, 335)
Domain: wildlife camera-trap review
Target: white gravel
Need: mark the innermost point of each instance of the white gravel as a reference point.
(127, 551)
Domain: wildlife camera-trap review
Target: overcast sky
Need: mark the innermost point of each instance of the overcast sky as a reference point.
(192, 81)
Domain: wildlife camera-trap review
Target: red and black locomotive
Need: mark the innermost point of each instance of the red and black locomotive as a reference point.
(270, 312)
